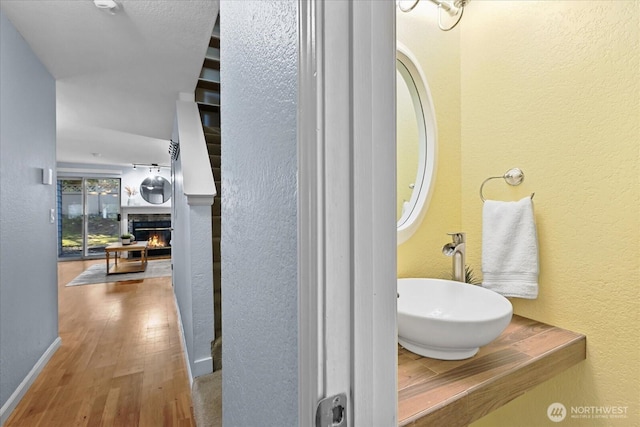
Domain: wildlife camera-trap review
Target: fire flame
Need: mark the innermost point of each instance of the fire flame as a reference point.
(155, 241)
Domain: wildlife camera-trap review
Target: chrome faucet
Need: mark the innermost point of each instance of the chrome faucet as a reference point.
(456, 249)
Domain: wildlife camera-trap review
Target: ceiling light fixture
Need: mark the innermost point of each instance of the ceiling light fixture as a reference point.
(109, 5)
(151, 166)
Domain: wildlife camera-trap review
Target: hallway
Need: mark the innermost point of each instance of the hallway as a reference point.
(121, 360)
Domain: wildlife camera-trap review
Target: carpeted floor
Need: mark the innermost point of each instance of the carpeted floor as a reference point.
(96, 273)
(207, 400)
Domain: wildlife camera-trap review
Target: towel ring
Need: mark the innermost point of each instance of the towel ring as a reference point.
(513, 177)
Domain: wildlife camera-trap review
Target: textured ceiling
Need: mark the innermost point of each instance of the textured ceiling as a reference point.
(117, 76)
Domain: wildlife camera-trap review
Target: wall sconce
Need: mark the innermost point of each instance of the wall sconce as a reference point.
(47, 176)
(453, 8)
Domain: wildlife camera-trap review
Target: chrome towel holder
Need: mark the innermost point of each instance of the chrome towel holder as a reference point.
(513, 176)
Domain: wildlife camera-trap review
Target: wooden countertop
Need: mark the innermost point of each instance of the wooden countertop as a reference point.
(455, 393)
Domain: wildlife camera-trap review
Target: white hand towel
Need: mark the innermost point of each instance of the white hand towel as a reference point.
(510, 248)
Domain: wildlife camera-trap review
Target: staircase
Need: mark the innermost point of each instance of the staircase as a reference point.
(207, 96)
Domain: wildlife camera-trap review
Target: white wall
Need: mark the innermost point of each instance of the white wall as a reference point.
(259, 227)
(191, 239)
(180, 257)
(134, 177)
(28, 271)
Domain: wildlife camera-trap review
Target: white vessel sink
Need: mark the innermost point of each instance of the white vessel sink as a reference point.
(448, 320)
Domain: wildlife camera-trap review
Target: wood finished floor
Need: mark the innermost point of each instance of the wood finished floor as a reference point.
(120, 363)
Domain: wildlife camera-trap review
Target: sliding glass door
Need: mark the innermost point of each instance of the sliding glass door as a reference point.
(70, 218)
(102, 213)
(89, 216)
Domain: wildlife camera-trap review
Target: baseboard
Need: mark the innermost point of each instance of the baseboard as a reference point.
(183, 340)
(22, 389)
(202, 366)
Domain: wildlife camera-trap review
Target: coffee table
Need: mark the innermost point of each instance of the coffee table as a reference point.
(127, 266)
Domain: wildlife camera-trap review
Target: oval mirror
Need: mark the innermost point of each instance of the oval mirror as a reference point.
(155, 190)
(416, 144)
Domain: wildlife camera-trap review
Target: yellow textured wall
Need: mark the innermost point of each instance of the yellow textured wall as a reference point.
(406, 142)
(553, 87)
(439, 57)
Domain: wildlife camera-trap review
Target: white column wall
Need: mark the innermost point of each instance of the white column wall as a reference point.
(259, 213)
(192, 239)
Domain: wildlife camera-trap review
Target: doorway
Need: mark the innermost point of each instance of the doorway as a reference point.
(88, 216)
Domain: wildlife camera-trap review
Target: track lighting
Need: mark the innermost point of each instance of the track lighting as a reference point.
(152, 166)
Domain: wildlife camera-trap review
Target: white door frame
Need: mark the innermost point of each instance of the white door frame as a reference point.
(346, 209)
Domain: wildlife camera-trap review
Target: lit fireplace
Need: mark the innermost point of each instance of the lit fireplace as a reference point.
(157, 234)
(156, 241)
